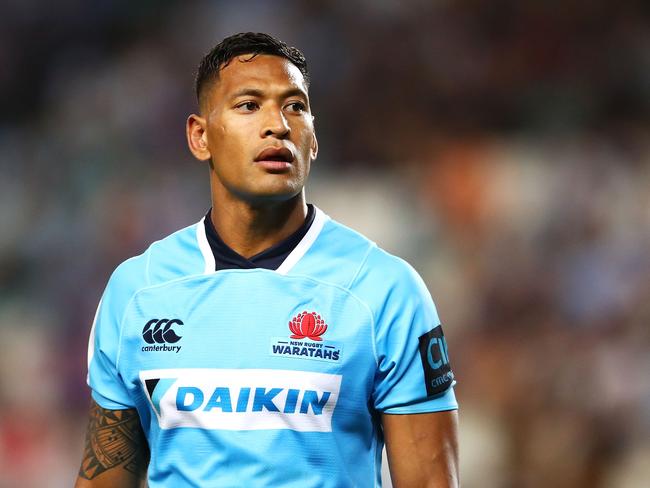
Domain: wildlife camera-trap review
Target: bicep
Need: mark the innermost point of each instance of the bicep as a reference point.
(116, 451)
(422, 449)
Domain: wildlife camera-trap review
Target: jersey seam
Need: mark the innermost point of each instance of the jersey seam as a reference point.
(194, 276)
(444, 408)
(363, 262)
(373, 332)
(224, 271)
(128, 304)
(146, 270)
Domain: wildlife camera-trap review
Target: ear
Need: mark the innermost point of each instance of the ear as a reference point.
(314, 146)
(197, 137)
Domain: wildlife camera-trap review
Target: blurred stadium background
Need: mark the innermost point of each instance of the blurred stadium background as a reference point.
(502, 147)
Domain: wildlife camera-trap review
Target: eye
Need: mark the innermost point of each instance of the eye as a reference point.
(247, 106)
(296, 107)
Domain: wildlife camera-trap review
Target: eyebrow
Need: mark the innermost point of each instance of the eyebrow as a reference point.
(254, 92)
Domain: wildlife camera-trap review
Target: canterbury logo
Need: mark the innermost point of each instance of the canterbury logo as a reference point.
(159, 331)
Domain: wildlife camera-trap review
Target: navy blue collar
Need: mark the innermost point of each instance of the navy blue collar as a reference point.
(271, 258)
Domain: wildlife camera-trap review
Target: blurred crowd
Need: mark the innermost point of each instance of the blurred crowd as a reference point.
(502, 147)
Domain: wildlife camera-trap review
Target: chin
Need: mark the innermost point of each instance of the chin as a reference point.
(278, 188)
(274, 194)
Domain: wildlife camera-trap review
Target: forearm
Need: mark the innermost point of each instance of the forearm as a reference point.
(116, 452)
(423, 449)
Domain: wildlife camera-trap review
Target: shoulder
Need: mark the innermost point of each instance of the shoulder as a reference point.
(346, 257)
(175, 256)
(343, 243)
(390, 271)
(334, 255)
(390, 285)
(385, 281)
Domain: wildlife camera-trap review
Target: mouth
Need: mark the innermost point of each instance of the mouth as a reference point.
(275, 158)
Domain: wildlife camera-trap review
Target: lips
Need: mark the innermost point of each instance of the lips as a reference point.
(281, 154)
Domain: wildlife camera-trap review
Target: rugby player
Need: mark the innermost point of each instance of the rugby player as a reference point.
(266, 345)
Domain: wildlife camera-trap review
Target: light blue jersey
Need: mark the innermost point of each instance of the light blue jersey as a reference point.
(268, 378)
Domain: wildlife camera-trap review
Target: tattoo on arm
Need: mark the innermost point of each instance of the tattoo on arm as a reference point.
(114, 438)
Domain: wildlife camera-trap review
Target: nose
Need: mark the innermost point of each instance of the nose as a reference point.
(275, 124)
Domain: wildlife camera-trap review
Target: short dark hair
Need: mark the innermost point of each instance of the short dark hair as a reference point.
(245, 43)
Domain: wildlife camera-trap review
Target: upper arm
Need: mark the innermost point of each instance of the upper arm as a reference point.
(422, 449)
(104, 375)
(116, 451)
(413, 373)
(413, 384)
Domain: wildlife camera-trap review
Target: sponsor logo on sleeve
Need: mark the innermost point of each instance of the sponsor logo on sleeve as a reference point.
(438, 375)
(242, 399)
(306, 340)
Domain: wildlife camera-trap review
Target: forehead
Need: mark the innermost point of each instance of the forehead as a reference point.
(265, 72)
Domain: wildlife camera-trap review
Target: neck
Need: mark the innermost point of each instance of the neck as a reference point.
(250, 228)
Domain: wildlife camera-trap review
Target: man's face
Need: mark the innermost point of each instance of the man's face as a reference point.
(258, 129)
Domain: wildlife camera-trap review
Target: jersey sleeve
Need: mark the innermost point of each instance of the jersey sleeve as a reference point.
(413, 372)
(104, 379)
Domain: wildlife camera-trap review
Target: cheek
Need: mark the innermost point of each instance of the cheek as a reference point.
(224, 143)
(221, 133)
(307, 142)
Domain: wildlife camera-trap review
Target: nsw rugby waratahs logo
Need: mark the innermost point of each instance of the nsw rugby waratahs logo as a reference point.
(308, 325)
(305, 341)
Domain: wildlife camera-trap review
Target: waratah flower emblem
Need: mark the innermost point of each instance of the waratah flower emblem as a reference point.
(307, 324)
